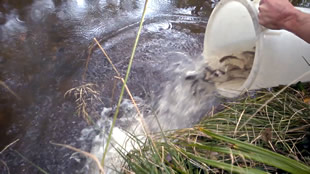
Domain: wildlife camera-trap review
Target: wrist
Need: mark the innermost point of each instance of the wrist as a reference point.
(293, 20)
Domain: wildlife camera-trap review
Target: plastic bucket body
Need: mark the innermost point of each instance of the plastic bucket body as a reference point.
(279, 55)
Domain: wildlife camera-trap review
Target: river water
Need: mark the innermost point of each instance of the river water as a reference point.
(44, 46)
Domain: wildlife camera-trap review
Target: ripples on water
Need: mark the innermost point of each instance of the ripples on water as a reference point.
(44, 45)
(169, 48)
(176, 106)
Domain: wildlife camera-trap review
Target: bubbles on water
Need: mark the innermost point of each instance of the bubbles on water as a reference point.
(40, 10)
(187, 11)
(184, 101)
(176, 106)
(42, 25)
(98, 134)
(166, 52)
(11, 27)
(157, 27)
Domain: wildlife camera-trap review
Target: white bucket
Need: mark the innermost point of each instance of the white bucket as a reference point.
(279, 55)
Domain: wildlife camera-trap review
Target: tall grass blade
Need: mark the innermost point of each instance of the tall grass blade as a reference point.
(263, 155)
(125, 82)
(228, 167)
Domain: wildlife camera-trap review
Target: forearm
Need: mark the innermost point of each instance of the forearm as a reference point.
(281, 14)
(299, 24)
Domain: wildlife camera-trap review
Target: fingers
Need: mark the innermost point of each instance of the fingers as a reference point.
(260, 19)
(261, 3)
(261, 8)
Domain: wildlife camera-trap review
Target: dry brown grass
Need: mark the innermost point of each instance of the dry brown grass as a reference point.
(85, 95)
(9, 89)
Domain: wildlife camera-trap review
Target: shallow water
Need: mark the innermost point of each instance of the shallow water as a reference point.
(168, 49)
(44, 45)
(175, 104)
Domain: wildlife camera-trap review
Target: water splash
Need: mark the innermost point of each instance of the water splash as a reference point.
(184, 101)
(179, 104)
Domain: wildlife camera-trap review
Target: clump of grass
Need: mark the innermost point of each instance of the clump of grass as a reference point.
(268, 142)
(84, 95)
(280, 125)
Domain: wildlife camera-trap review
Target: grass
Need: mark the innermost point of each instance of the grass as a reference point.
(9, 90)
(30, 162)
(261, 134)
(125, 82)
(6, 168)
(86, 154)
(83, 91)
(84, 96)
(251, 135)
(270, 141)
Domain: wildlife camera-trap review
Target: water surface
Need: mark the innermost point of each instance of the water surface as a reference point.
(44, 46)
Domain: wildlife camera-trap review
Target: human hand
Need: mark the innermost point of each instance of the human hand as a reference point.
(276, 14)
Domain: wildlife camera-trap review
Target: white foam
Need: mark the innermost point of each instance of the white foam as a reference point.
(119, 140)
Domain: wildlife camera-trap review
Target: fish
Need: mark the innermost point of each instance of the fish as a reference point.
(249, 59)
(223, 59)
(210, 74)
(252, 53)
(238, 73)
(217, 76)
(232, 68)
(232, 60)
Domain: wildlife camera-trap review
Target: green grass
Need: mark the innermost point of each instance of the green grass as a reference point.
(125, 82)
(251, 135)
(270, 141)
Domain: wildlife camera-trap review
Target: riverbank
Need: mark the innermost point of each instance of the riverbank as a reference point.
(268, 132)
